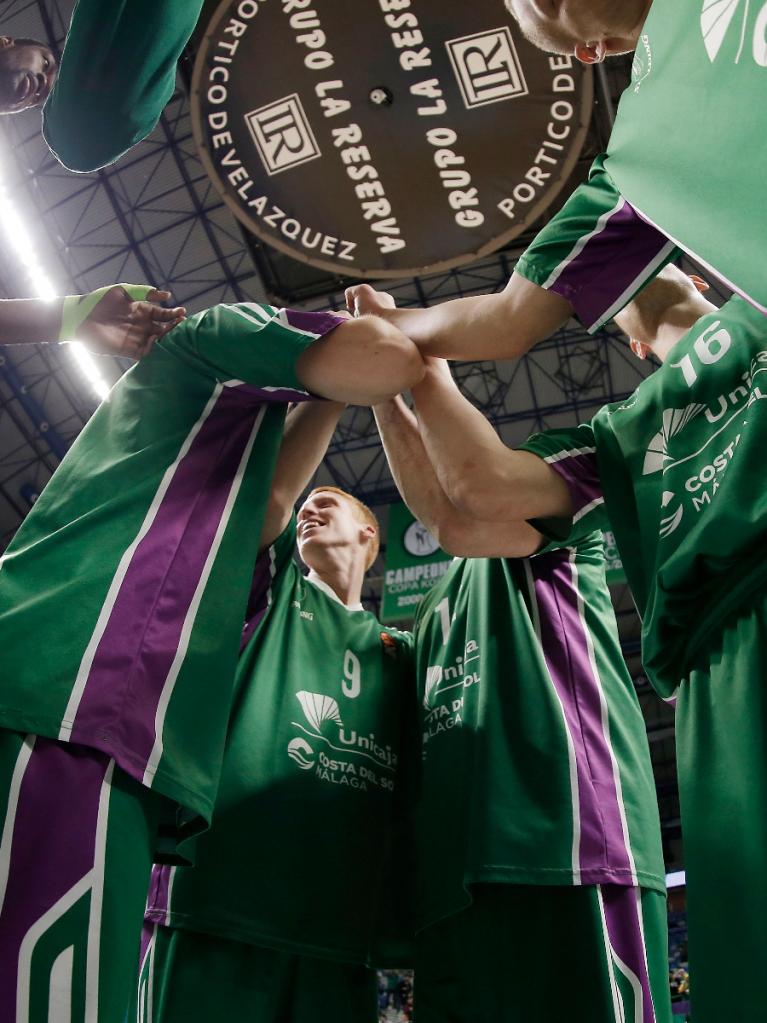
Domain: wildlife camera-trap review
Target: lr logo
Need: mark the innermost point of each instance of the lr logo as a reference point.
(487, 67)
(282, 134)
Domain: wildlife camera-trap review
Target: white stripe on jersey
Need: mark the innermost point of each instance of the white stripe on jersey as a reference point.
(581, 244)
(571, 759)
(9, 824)
(617, 1000)
(93, 950)
(260, 387)
(186, 631)
(605, 717)
(282, 316)
(571, 453)
(75, 697)
(171, 880)
(587, 508)
(256, 310)
(33, 935)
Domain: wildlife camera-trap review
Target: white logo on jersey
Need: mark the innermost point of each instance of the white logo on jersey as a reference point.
(670, 522)
(717, 16)
(641, 67)
(433, 679)
(300, 751)
(674, 421)
(319, 708)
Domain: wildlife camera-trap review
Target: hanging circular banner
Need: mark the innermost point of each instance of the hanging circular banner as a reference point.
(384, 138)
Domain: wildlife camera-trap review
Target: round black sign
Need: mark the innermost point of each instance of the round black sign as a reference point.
(384, 138)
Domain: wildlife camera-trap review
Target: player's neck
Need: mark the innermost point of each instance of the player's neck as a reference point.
(674, 328)
(343, 570)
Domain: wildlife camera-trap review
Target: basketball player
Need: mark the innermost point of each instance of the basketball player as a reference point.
(540, 884)
(677, 468)
(27, 73)
(287, 905)
(121, 602)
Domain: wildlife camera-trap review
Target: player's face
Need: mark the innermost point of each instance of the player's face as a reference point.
(27, 74)
(327, 520)
(559, 26)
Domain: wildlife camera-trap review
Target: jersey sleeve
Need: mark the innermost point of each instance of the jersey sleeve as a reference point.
(270, 568)
(572, 454)
(106, 98)
(597, 252)
(251, 346)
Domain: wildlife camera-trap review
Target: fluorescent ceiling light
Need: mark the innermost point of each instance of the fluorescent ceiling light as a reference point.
(23, 246)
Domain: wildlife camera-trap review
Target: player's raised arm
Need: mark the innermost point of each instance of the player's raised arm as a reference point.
(122, 320)
(309, 429)
(481, 475)
(321, 354)
(501, 326)
(118, 70)
(456, 532)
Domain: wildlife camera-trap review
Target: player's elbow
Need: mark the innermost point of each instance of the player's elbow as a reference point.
(476, 493)
(452, 536)
(394, 361)
(71, 137)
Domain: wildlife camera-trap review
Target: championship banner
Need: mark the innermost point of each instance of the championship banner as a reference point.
(614, 570)
(384, 138)
(414, 563)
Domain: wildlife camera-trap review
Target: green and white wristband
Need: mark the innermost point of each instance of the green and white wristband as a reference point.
(77, 308)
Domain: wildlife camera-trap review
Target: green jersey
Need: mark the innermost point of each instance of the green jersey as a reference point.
(105, 100)
(308, 808)
(536, 768)
(694, 167)
(679, 173)
(122, 594)
(677, 468)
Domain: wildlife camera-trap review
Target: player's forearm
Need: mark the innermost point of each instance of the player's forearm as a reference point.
(456, 533)
(29, 320)
(467, 454)
(309, 428)
(481, 476)
(308, 431)
(500, 326)
(410, 466)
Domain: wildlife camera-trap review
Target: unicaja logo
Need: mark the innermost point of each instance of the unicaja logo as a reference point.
(717, 17)
(302, 753)
(674, 421)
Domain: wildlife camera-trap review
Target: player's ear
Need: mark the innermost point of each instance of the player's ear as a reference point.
(590, 53)
(701, 285)
(639, 348)
(5, 41)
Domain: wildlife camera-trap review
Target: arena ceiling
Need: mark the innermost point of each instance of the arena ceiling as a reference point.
(155, 216)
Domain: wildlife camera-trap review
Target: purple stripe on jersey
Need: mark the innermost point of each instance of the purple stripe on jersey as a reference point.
(258, 601)
(603, 855)
(276, 395)
(139, 643)
(158, 902)
(314, 323)
(53, 847)
(608, 264)
(581, 474)
(624, 928)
